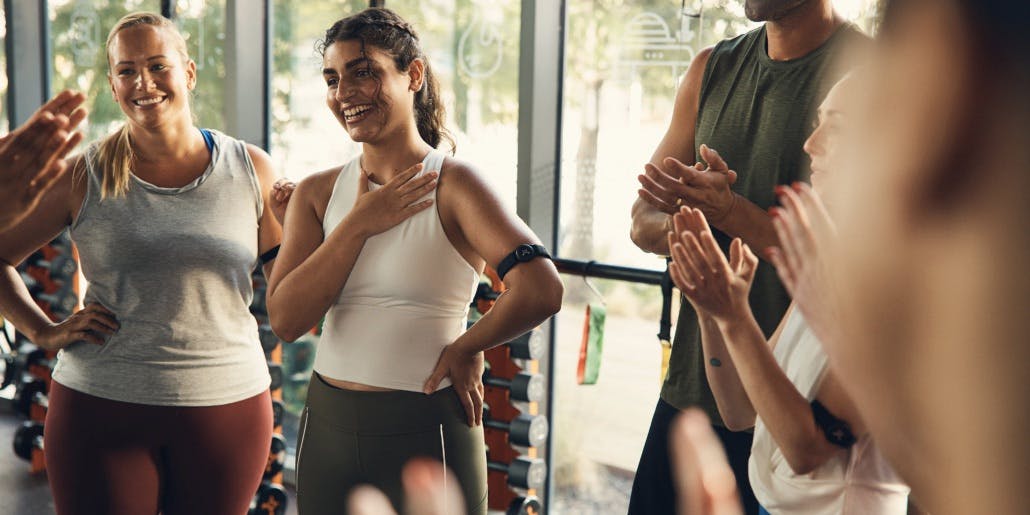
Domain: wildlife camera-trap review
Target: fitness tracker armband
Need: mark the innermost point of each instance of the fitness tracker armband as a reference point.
(269, 255)
(521, 254)
(837, 431)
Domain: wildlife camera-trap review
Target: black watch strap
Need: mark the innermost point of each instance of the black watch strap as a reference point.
(521, 254)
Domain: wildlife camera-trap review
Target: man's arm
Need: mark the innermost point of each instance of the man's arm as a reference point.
(651, 224)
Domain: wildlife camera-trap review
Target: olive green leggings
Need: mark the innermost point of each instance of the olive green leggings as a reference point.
(349, 438)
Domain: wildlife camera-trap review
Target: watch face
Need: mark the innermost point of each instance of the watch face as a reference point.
(523, 252)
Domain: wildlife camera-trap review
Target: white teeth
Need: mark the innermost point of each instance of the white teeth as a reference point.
(353, 112)
(148, 101)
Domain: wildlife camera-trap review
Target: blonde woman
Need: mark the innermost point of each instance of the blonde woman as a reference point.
(160, 395)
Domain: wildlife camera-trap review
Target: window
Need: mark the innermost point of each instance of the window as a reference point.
(79, 35)
(473, 47)
(202, 24)
(306, 137)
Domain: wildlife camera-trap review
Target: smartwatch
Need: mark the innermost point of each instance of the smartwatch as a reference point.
(521, 254)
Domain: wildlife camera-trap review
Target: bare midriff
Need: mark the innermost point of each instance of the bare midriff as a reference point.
(348, 385)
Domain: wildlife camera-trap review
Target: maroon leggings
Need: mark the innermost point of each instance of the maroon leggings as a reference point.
(113, 457)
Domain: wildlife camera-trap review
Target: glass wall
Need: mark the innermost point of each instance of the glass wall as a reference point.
(306, 137)
(202, 23)
(473, 47)
(78, 31)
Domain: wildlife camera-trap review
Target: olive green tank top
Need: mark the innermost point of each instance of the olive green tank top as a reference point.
(757, 113)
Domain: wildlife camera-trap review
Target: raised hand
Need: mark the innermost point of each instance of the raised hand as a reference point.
(675, 184)
(802, 260)
(380, 210)
(32, 156)
(282, 191)
(92, 324)
(700, 270)
(427, 491)
(466, 373)
(705, 484)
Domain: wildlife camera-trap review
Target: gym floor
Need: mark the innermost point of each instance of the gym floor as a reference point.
(28, 494)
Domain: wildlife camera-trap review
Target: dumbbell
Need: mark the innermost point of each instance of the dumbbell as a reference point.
(59, 266)
(530, 345)
(269, 341)
(525, 430)
(38, 358)
(27, 438)
(270, 500)
(275, 371)
(522, 472)
(520, 505)
(277, 412)
(63, 300)
(276, 457)
(523, 387)
(25, 395)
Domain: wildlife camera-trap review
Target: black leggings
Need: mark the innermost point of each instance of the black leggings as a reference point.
(111, 457)
(653, 492)
(351, 437)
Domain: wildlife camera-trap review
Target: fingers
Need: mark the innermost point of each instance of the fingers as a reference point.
(687, 261)
(428, 491)
(368, 500)
(654, 201)
(705, 483)
(412, 209)
(819, 217)
(788, 246)
(439, 372)
(680, 279)
(86, 336)
(404, 176)
(282, 190)
(749, 265)
(736, 255)
(477, 404)
(64, 102)
(418, 188)
(660, 184)
(713, 254)
(466, 401)
(362, 183)
(783, 269)
(714, 160)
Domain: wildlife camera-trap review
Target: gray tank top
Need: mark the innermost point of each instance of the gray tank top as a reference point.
(174, 265)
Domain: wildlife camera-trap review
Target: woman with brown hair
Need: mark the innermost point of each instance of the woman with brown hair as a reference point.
(389, 248)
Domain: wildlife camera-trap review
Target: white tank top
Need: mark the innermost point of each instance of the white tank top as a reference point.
(407, 296)
(854, 481)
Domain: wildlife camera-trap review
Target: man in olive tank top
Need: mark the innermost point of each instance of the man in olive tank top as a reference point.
(753, 99)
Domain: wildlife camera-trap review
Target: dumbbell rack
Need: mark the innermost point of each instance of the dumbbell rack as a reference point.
(51, 274)
(270, 498)
(512, 466)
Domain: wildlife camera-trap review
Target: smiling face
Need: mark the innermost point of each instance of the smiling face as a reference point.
(150, 76)
(366, 92)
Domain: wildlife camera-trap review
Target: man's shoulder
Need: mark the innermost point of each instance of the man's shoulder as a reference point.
(739, 42)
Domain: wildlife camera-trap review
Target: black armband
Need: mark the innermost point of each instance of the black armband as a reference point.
(521, 254)
(837, 431)
(269, 255)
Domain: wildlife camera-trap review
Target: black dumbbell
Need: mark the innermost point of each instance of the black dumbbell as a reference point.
(25, 395)
(276, 457)
(520, 505)
(525, 430)
(38, 358)
(530, 345)
(269, 341)
(522, 472)
(277, 412)
(270, 500)
(27, 438)
(275, 371)
(523, 387)
(60, 266)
